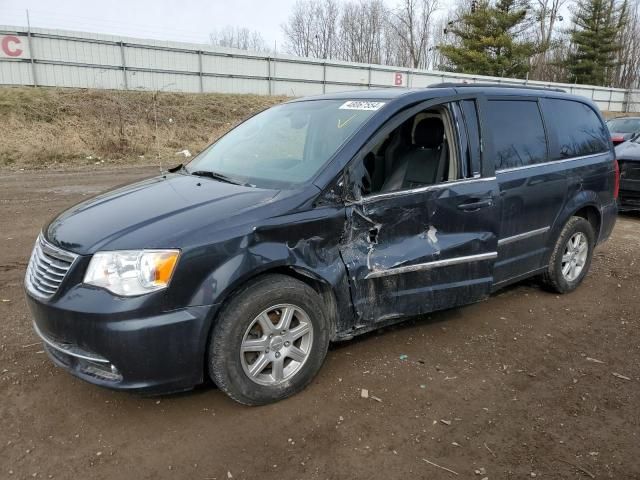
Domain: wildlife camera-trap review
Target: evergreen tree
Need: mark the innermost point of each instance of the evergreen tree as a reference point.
(595, 39)
(489, 40)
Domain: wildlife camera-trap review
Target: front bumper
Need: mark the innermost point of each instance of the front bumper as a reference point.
(153, 354)
(629, 185)
(629, 194)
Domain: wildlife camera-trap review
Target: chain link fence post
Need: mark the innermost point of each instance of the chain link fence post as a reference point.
(30, 44)
(124, 66)
(200, 72)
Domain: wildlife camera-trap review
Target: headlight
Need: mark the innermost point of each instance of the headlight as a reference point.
(132, 272)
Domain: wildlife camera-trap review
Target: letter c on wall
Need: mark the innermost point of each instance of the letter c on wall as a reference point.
(9, 46)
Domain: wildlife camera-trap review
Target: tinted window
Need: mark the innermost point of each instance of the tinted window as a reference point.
(473, 129)
(579, 130)
(518, 133)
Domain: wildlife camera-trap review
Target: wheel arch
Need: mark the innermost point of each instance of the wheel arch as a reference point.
(592, 214)
(585, 205)
(320, 285)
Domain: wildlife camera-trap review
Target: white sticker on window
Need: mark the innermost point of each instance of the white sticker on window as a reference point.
(361, 105)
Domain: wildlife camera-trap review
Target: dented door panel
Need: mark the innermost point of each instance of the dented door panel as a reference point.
(413, 252)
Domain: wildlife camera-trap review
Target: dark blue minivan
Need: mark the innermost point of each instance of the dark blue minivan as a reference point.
(318, 220)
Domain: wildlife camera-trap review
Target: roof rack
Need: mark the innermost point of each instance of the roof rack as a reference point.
(494, 85)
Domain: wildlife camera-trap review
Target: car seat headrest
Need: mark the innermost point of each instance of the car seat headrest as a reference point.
(429, 133)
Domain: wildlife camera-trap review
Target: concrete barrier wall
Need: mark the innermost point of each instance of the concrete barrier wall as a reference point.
(45, 57)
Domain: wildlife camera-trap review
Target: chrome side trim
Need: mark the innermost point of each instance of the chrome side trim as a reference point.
(429, 265)
(522, 236)
(552, 162)
(69, 349)
(426, 188)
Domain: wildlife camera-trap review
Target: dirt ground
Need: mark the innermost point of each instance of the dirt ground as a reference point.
(527, 384)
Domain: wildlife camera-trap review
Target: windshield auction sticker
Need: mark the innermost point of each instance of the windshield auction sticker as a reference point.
(361, 105)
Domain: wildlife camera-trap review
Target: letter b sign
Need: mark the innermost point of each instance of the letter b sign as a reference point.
(398, 79)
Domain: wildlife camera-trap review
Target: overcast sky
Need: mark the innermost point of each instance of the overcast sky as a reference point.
(180, 20)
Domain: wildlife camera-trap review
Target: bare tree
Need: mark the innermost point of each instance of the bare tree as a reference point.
(440, 36)
(238, 37)
(326, 28)
(412, 22)
(411, 34)
(362, 31)
(627, 73)
(547, 16)
(312, 28)
(298, 29)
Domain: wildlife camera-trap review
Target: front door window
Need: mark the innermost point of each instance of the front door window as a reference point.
(420, 152)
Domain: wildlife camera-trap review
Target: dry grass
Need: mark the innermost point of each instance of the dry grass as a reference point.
(49, 127)
(54, 127)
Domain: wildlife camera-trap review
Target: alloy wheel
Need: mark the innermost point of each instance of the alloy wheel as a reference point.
(574, 256)
(276, 344)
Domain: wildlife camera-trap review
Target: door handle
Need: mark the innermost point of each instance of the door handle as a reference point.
(476, 204)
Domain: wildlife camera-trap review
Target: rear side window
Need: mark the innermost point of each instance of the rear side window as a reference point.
(518, 133)
(579, 130)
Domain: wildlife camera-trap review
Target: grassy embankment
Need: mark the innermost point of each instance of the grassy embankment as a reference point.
(53, 128)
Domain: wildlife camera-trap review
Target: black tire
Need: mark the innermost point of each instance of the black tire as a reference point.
(553, 278)
(225, 364)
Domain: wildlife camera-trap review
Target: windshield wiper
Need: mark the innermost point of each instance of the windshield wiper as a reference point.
(219, 176)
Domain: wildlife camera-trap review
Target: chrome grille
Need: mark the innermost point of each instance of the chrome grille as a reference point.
(47, 268)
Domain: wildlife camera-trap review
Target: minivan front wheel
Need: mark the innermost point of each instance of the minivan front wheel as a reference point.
(571, 257)
(270, 340)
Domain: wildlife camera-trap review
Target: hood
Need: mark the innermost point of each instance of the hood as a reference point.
(155, 213)
(628, 151)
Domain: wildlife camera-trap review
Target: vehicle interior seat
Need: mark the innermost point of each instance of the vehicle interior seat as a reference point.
(423, 162)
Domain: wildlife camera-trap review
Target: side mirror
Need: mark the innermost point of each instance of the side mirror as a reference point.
(335, 193)
(356, 183)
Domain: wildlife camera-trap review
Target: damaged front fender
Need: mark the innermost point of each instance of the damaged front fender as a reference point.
(304, 244)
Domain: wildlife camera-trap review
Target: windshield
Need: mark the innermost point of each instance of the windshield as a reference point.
(624, 125)
(284, 145)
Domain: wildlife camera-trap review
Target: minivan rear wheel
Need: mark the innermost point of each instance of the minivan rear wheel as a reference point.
(571, 256)
(270, 340)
